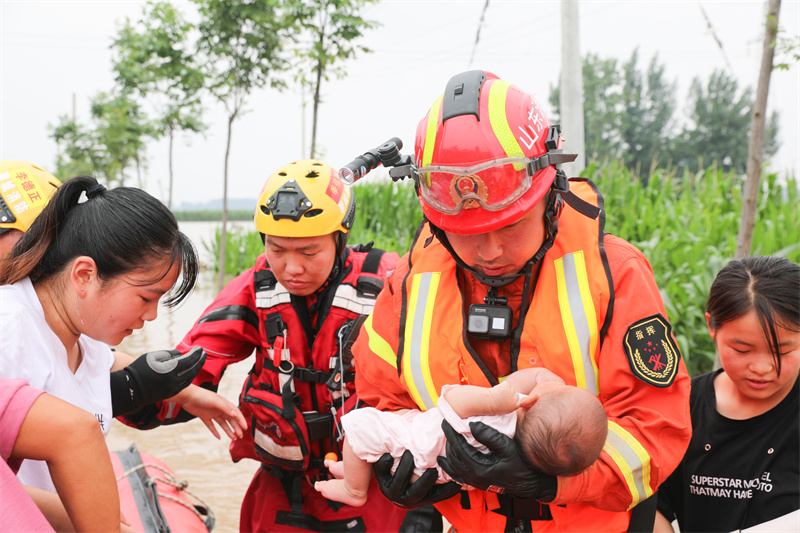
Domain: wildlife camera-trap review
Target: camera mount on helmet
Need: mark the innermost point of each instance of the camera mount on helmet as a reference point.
(289, 201)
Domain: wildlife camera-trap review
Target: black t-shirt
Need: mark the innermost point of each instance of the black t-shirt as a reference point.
(736, 474)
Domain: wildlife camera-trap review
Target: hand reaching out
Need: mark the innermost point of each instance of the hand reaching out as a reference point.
(210, 407)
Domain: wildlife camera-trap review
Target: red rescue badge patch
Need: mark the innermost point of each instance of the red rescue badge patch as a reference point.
(652, 354)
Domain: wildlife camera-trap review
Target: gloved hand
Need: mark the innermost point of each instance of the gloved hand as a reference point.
(503, 470)
(153, 377)
(398, 488)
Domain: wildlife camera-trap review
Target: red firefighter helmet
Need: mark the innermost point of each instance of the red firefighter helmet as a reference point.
(481, 154)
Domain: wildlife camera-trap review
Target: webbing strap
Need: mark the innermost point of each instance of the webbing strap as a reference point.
(292, 486)
(370, 285)
(581, 206)
(373, 261)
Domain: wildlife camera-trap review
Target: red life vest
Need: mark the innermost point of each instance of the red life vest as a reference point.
(302, 380)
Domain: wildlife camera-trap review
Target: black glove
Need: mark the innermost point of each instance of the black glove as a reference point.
(503, 470)
(153, 377)
(401, 492)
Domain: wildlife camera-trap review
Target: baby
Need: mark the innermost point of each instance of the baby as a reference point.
(560, 430)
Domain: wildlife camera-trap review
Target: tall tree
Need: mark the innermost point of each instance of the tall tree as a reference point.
(630, 115)
(649, 103)
(328, 31)
(78, 150)
(719, 125)
(122, 128)
(110, 145)
(154, 59)
(758, 126)
(240, 43)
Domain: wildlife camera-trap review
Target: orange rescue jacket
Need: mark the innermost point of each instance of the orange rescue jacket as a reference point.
(566, 329)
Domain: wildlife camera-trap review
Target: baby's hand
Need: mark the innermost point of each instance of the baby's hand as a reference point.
(504, 399)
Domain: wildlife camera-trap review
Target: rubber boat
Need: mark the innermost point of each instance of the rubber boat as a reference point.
(153, 499)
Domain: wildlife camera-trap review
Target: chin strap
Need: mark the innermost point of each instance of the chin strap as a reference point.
(491, 281)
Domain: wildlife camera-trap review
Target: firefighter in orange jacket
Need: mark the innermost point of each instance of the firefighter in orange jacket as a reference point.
(512, 269)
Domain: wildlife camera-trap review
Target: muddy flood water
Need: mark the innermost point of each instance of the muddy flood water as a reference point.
(189, 449)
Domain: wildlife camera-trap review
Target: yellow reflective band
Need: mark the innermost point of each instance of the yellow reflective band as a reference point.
(632, 460)
(499, 122)
(416, 363)
(378, 344)
(430, 135)
(578, 317)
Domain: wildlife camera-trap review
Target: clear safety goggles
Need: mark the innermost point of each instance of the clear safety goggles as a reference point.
(491, 185)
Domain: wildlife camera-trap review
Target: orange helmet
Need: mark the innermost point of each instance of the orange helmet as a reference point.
(485, 154)
(24, 191)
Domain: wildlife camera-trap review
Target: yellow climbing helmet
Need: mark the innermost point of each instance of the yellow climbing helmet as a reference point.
(24, 191)
(305, 199)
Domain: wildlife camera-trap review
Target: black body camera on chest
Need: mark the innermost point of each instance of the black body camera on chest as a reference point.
(491, 320)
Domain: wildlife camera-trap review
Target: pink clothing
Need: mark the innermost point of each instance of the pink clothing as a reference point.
(18, 513)
(372, 433)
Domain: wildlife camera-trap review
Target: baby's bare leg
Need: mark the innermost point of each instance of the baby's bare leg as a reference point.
(352, 488)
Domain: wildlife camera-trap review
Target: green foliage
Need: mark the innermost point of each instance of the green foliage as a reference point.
(787, 48)
(601, 101)
(686, 226)
(720, 125)
(108, 146)
(240, 43)
(78, 153)
(212, 216)
(387, 213)
(154, 55)
(630, 115)
(324, 35)
(649, 102)
(154, 59)
(243, 247)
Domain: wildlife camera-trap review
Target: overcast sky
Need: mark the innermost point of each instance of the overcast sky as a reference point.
(52, 50)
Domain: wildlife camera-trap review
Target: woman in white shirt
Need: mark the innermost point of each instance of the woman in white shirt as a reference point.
(91, 269)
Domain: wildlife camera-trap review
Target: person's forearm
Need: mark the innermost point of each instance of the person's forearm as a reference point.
(85, 480)
(121, 360)
(662, 525)
(51, 507)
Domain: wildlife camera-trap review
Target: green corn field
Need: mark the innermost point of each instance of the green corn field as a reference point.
(686, 225)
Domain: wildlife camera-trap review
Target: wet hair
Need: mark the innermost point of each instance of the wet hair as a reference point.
(768, 285)
(563, 433)
(123, 230)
